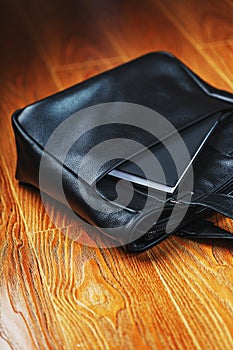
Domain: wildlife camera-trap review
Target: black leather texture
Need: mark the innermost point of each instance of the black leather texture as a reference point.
(164, 84)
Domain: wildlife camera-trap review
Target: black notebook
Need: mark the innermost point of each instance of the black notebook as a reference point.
(194, 138)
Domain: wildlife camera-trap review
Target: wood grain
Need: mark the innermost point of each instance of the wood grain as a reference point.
(206, 21)
(54, 292)
(192, 27)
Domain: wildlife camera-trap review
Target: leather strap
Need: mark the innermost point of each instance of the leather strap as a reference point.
(204, 229)
(221, 203)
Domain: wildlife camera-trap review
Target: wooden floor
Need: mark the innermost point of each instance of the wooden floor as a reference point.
(58, 294)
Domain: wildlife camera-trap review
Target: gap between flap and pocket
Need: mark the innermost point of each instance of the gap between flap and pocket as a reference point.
(114, 164)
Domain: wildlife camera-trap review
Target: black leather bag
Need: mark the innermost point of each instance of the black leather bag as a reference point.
(157, 81)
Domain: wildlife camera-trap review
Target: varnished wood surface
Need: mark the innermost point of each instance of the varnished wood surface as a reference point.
(56, 293)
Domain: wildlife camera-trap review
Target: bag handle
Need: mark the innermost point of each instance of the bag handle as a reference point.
(204, 229)
(221, 203)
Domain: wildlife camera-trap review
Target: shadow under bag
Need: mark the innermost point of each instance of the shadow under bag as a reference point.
(155, 82)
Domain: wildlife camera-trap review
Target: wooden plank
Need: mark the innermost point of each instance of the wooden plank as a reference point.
(222, 54)
(189, 27)
(135, 28)
(205, 21)
(63, 34)
(98, 290)
(24, 322)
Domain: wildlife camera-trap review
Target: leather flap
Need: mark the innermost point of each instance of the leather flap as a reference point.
(157, 81)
